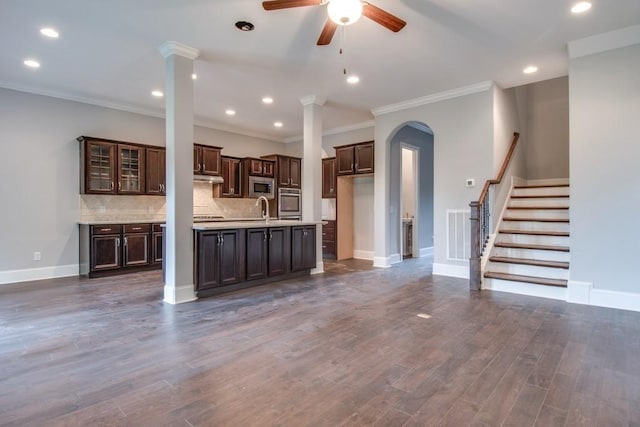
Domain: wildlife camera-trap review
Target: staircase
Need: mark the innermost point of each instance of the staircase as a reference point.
(530, 254)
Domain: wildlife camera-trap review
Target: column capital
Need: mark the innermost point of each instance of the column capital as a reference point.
(313, 99)
(169, 48)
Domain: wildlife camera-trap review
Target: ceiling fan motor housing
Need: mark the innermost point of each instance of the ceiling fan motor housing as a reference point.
(344, 12)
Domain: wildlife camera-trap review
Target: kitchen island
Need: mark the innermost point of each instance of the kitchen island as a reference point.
(238, 254)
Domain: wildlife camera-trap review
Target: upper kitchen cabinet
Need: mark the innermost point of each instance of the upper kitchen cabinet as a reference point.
(288, 170)
(155, 171)
(112, 167)
(232, 175)
(259, 167)
(329, 178)
(355, 159)
(98, 166)
(207, 160)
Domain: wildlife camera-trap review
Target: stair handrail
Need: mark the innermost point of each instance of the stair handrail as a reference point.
(480, 220)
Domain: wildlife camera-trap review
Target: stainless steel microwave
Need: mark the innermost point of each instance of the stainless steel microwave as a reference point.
(261, 186)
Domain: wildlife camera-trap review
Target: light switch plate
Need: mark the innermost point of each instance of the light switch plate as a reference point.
(471, 182)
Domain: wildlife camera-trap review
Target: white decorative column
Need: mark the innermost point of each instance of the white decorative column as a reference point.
(178, 254)
(312, 169)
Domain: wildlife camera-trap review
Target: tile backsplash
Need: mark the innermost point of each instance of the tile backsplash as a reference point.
(98, 207)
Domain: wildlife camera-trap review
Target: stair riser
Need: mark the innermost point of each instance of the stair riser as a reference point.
(561, 201)
(531, 213)
(548, 181)
(545, 191)
(531, 254)
(525, 288)
(534, 225)
(535, 240)
(528, 270)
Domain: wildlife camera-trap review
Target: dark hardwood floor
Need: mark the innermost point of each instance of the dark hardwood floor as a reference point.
(344, 348)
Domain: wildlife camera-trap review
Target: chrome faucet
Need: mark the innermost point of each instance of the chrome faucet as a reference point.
(265, 214)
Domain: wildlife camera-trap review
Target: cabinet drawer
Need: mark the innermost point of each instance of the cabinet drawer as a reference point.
(106, 229)
(137, 228)
(330, 225)
(157, 228)
(328, 234)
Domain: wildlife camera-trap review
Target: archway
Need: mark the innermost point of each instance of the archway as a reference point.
(415, 140)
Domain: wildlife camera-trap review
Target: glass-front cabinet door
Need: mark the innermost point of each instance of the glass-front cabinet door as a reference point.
(130, 169)
(100, 167)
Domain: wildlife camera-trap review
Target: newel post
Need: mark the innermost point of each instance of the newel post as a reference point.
(474, 261)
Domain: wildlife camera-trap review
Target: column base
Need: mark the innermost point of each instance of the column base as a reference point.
(178, 295)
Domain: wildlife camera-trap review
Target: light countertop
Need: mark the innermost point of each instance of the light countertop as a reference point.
(201, 226)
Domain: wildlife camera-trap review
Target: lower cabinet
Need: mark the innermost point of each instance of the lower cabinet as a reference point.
(116, 248)
(220, 258)
(303, 247)
(246, 257)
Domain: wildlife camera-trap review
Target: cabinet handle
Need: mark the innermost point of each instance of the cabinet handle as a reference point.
(218, 240)
(221, 240)
(112, 185)
(105, 229)
(265, 236)
(204, 166)
(270, 235)
(356, 166)
(135, 228)
(117, 242)
(351, 165)
(125, 241)
(119, 186)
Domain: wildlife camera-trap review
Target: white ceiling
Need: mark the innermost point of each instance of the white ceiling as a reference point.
(107, 53)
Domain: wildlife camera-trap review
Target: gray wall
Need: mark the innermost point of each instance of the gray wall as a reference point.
(463, 148)
(547, 132)
(604, 95)
(39, 170)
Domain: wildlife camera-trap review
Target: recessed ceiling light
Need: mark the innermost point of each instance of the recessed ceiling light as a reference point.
(278, 124)
(31, 63)
(230, 112)
(530, 69)
(267, 100)
(194, 76)
(581, 7)
(352, 79)
(157, 93)
(49, 32)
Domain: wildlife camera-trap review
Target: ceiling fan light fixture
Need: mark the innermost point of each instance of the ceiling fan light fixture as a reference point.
(344, 12)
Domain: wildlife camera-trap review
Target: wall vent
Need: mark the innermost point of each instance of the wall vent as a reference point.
(458, 235)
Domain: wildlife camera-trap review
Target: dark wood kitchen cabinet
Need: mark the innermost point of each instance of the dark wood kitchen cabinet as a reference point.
(329, 178)
(207, 160)
(329, 240)
(259, 167)
(116, 167)
(355, 159)
(156, 171)
(115, 248)
(232, 175)
(288, 170)
(303, 247)
(267, 252)
(220, 258)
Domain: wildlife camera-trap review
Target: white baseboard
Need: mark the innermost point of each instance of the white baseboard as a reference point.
(615, 299)
(30, 274)
(179, 294)
(368, 255)
(381, 262)
(319, 268)
(424, 252)
(395, 258)
(461, 271)
(579, 292)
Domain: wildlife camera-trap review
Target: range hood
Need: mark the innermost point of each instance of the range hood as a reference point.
(208, 178)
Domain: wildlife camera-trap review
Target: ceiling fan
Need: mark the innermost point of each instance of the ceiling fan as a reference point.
(341, 12)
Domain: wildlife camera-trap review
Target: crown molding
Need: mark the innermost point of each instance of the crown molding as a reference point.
(169, 48)
(334, 131)
(617, 39)
(157, 113)
(313, 99)
(436, 97)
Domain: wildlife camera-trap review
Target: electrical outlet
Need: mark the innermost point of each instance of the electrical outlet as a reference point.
(102, 209)
(37, 256)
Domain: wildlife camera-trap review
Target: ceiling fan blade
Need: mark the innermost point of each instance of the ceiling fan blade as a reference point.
(286, 4)
(327, 33)
(383, 18)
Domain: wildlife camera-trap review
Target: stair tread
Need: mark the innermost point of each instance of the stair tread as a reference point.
(527, 279)
(536, 232)
(541, 196)
(565, 220)
(539, 207)
(531, 246)
(527, 261)
(541, 186)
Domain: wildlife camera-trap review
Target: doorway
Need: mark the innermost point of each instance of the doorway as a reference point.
(409, 202)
